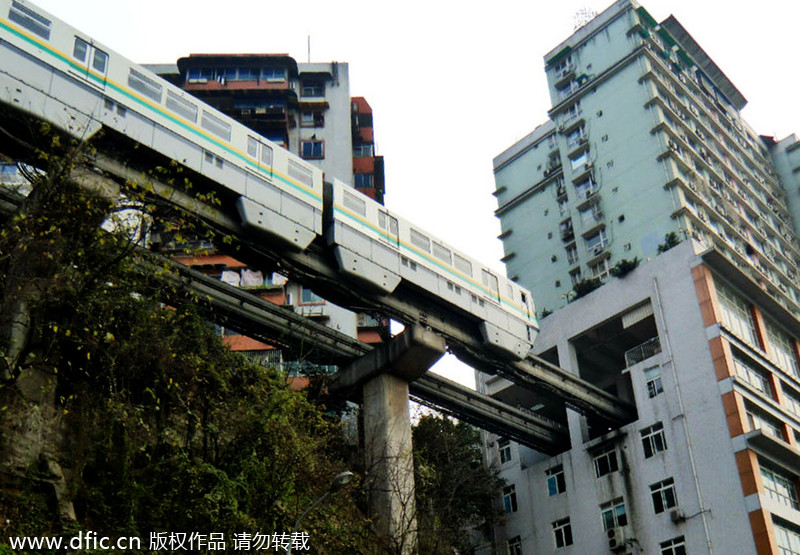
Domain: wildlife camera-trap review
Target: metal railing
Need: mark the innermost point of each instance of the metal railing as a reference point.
(649, 348)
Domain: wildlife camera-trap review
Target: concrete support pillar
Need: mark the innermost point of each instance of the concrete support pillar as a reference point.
(390, 462)
(384, 375)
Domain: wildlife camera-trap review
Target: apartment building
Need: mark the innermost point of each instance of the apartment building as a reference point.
(644, 138)
(307, 109)
(712, 463)
(645, 159)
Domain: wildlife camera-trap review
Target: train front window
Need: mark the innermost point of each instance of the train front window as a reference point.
(80, 49)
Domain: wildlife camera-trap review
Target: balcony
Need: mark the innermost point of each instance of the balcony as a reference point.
(641, 352)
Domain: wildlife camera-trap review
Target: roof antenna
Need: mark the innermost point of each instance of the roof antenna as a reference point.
(582, 17)
(309, 49)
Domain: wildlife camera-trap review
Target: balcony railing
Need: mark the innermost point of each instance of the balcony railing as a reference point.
(649, 348)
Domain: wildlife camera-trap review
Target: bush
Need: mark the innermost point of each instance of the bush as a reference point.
(624, 267)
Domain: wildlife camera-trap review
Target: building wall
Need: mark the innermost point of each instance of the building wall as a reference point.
(645, 138)
(722, 425)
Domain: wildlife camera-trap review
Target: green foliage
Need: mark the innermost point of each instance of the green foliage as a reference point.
(455, 490)
(545, 312)
(161, 427)
(671, 239)
(586, 286)
(624, 267)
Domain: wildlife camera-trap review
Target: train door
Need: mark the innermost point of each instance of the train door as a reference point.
(491, 283)
(93, 62)
(391, 232)
(262, 153)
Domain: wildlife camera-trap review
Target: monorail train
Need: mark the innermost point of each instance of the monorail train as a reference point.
(62, 76)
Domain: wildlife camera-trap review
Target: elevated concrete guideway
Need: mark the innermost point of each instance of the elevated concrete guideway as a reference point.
(316, 269)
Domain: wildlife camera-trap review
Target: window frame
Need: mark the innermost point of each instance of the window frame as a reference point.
(653, 440)
(510, 499)
(609, 454)
(555, 480)
(314, 144)
(562, 532)
(664, 495)
(613, 514)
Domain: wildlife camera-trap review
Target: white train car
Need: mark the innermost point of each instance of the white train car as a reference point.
(57, 73)
(379, 249)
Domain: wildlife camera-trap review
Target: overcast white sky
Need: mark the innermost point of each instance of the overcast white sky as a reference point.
(452, 84)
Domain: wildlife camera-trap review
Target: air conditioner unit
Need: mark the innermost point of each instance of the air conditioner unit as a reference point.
(582, 140)
(616, 538)
(676, 516)
(598, 249)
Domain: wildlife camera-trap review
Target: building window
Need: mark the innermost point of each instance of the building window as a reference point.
(663, 494)
(562, 533)
(605, 461)
(510, 499)
(555, 480)
(312, 150)
(572, 254)
(573, 112)
(575, 276)
(652, 378)
(613, 514)
(312, 119)
(563, 205)
(782, 349)
(597, 242)
(780, 486)
(577, 136)
(600, 269)
(591, 215)
(768, 425)
(752, 374)
(364, 150)
(585, 188)
(515, 546)
(792, 400)
(363, 180)
(788, 537)
(504, 448)
(653, 440)
(567, 232)
(307, 296)
(736, 315)
(675, 546)
(580, 162)
(313, 89)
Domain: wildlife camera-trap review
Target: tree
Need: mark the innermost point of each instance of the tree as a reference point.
(455, 489)
(133, 416)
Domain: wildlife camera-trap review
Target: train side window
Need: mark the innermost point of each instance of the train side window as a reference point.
(420, 240)
(462, 265)
(252, 147)
(301, 173)
(217, 126)
(148, 87)
(490, 281)
(80, 49)
(355, 204)
(441, 252)
(181, 106)
(29, 19)
(99, 60)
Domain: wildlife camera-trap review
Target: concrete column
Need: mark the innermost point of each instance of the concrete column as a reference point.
(384, 374)
(390, 463)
